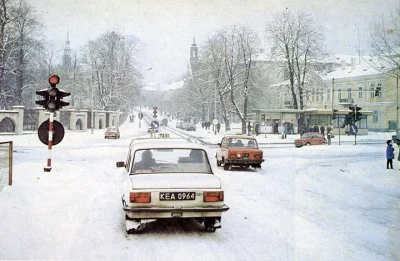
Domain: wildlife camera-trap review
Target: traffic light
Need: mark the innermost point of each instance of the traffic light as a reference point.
(52, 96)
(155, 112)
(357, 113)
(334, 114)
(378, 91)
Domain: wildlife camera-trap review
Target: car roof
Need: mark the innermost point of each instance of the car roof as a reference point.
(154, 143)
(238, 136)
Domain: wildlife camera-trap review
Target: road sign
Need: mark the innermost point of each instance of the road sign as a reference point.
(155, 124)
(140, 115)
(58, 132)
(215, 121)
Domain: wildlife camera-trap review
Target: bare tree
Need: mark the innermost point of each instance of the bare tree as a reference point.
(214, 60)
(111, 65)
(298, 42)
(385, 43)
(239, 49)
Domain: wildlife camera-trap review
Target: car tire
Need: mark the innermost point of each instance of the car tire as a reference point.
(308, 144)
(218, 162)
(209, 226)
(323, 143)
(227, 166)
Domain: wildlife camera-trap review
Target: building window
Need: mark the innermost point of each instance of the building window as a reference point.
(375, 116)
(379, 88)
(339, 94)
(317, 95)
(372, 91)
(349, 93)
(328, 95)
(359, 92)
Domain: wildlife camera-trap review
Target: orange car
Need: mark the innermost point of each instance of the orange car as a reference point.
(239, 150)
(310, 138)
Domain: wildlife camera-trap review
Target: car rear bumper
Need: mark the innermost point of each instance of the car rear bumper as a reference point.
(134, 212)
(243, 161)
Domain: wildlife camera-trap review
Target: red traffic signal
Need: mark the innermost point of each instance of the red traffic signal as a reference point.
(52, 95)
(54, 79)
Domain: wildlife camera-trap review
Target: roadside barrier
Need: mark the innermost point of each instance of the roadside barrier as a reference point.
(6, 158)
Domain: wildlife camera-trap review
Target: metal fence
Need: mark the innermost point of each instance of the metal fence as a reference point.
(6, 157)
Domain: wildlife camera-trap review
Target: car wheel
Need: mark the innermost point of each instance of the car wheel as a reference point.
(218, 163)
(308, 144)
(226, 166)
(209, 226)
(323, 143)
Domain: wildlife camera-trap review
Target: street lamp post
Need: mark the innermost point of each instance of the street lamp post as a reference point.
(140, 100)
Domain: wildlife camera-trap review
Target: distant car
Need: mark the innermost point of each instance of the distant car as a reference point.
(112, 132)
(187, 126)
(169, 179)
(310, 138)
(239, 150)
(151, 129)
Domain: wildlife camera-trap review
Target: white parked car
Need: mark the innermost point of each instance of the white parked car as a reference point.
(170, 179)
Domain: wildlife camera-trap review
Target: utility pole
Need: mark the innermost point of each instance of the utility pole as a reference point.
(91, 108)
(140, 100)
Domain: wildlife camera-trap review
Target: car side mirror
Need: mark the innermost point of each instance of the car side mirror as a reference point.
(120, 164)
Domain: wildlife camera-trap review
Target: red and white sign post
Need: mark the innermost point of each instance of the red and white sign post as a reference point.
(52, 101)
(50, 143)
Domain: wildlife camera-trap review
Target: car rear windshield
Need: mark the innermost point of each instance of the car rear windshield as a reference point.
(242, 142)
(170, 161)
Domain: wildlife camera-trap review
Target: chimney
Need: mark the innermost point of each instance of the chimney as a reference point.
(343, 64)
(353, 64)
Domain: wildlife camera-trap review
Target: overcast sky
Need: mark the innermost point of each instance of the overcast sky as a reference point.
(166, 27)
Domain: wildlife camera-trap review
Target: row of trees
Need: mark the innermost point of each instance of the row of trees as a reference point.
(228, 67)
(105, 70)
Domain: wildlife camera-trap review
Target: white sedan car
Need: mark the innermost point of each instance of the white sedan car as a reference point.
(170, 179)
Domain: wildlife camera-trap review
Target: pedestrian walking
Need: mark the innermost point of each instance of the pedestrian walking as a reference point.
(218, 127)
(389, 154)
(322, 129)
(249, 129)
(276, 127)
(257, 128)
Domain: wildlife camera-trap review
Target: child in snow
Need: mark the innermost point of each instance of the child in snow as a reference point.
(389, 154)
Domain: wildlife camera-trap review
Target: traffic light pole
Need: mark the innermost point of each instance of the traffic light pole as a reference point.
(50, 144)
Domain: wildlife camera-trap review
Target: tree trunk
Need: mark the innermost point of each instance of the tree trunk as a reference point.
(224, 113)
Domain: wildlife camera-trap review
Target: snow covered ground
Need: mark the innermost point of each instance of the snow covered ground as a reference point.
(313, 203)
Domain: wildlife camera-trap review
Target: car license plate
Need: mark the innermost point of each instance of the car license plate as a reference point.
(177, 195)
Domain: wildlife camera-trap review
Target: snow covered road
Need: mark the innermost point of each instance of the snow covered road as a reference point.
(314, 203)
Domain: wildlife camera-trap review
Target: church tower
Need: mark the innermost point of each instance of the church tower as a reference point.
(193, 51)
(66, 63)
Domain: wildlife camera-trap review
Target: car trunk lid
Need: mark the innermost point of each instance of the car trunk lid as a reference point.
(175, 181)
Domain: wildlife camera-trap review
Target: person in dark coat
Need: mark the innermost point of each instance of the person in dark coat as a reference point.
(249, 128)
(316, 129)
(218, 126)
(322, 129)
(257, 128)
(276, 127)
(389, 154)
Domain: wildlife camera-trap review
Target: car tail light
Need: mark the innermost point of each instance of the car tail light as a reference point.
(140, 197)
(232, 156)
(258, 156)
(213, 196)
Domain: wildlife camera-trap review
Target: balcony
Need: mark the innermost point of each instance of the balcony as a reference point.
(347, 101)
